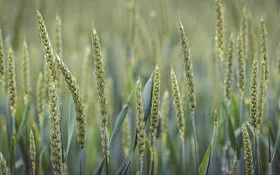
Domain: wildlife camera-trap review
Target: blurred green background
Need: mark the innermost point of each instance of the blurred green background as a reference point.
(111, 19)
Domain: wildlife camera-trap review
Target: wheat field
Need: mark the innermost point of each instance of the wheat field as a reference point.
(139, 87)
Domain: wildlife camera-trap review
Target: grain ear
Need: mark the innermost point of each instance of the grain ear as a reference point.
(100, 80)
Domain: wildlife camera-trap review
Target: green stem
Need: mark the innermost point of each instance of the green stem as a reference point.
(257, 154)
(81, 161)
(195, 141)
(241, 107)
(152, 156)
(141, 167)
(183, 155)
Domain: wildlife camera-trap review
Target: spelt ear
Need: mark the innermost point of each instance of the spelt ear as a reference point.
(228, 81)
(261, 82)
(47, 47)
(264, 54)
(58, 41)
(241, 63)
(155, 102)
(32, 150)
(100, 79)
(220, 30)
(40, 99)
(2, 68)
(178, 103)
(140, 120)
(55, 132)
(12, 82)
(25, 73)
(254, 93)
(77, 98)
(188, 65)
(247, 151)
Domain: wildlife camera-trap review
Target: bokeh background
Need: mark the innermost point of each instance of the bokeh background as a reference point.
(153, 46)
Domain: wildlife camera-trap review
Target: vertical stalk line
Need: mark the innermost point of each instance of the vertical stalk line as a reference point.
(227, 135)
(269, 153)
(255, 150)
(195, 141)
(141, 167)
(152, 155)
(241, 107)
(81, 161)
(269, 124)
(241, 122)
(106, 157)
(258, 154)
(183, 155)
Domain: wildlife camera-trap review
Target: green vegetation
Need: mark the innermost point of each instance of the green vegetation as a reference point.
(139, 87)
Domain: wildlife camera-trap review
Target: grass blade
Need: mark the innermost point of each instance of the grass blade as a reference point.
(120, 120)
(71, 126)
(204, 165)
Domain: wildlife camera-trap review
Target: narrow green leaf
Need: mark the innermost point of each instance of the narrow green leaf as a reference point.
(116, 130)
(276, 147)
(42, 161)
(231, 133)
(119, 123)
(148, 151)
(155, 163)
(71, 126)
(203, 167)
(125, 164)
(24, 122)
(147, 98)
(235, 113)
(98, 171)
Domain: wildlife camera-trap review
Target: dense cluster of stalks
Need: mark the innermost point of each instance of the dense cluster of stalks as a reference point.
(135, 111)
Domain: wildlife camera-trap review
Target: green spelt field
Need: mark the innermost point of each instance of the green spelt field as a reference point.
(139, 87)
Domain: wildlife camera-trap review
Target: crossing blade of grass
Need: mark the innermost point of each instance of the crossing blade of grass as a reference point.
(212, 144)
(155, 163)
(125, 164)
(147, 99)
(24, 120)
(98, 171)
(204, 165)
(71, 126)
(120, 120)
(42, 160)
(231, 133)
(276, 147)
(22, 135)
(116, 130)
